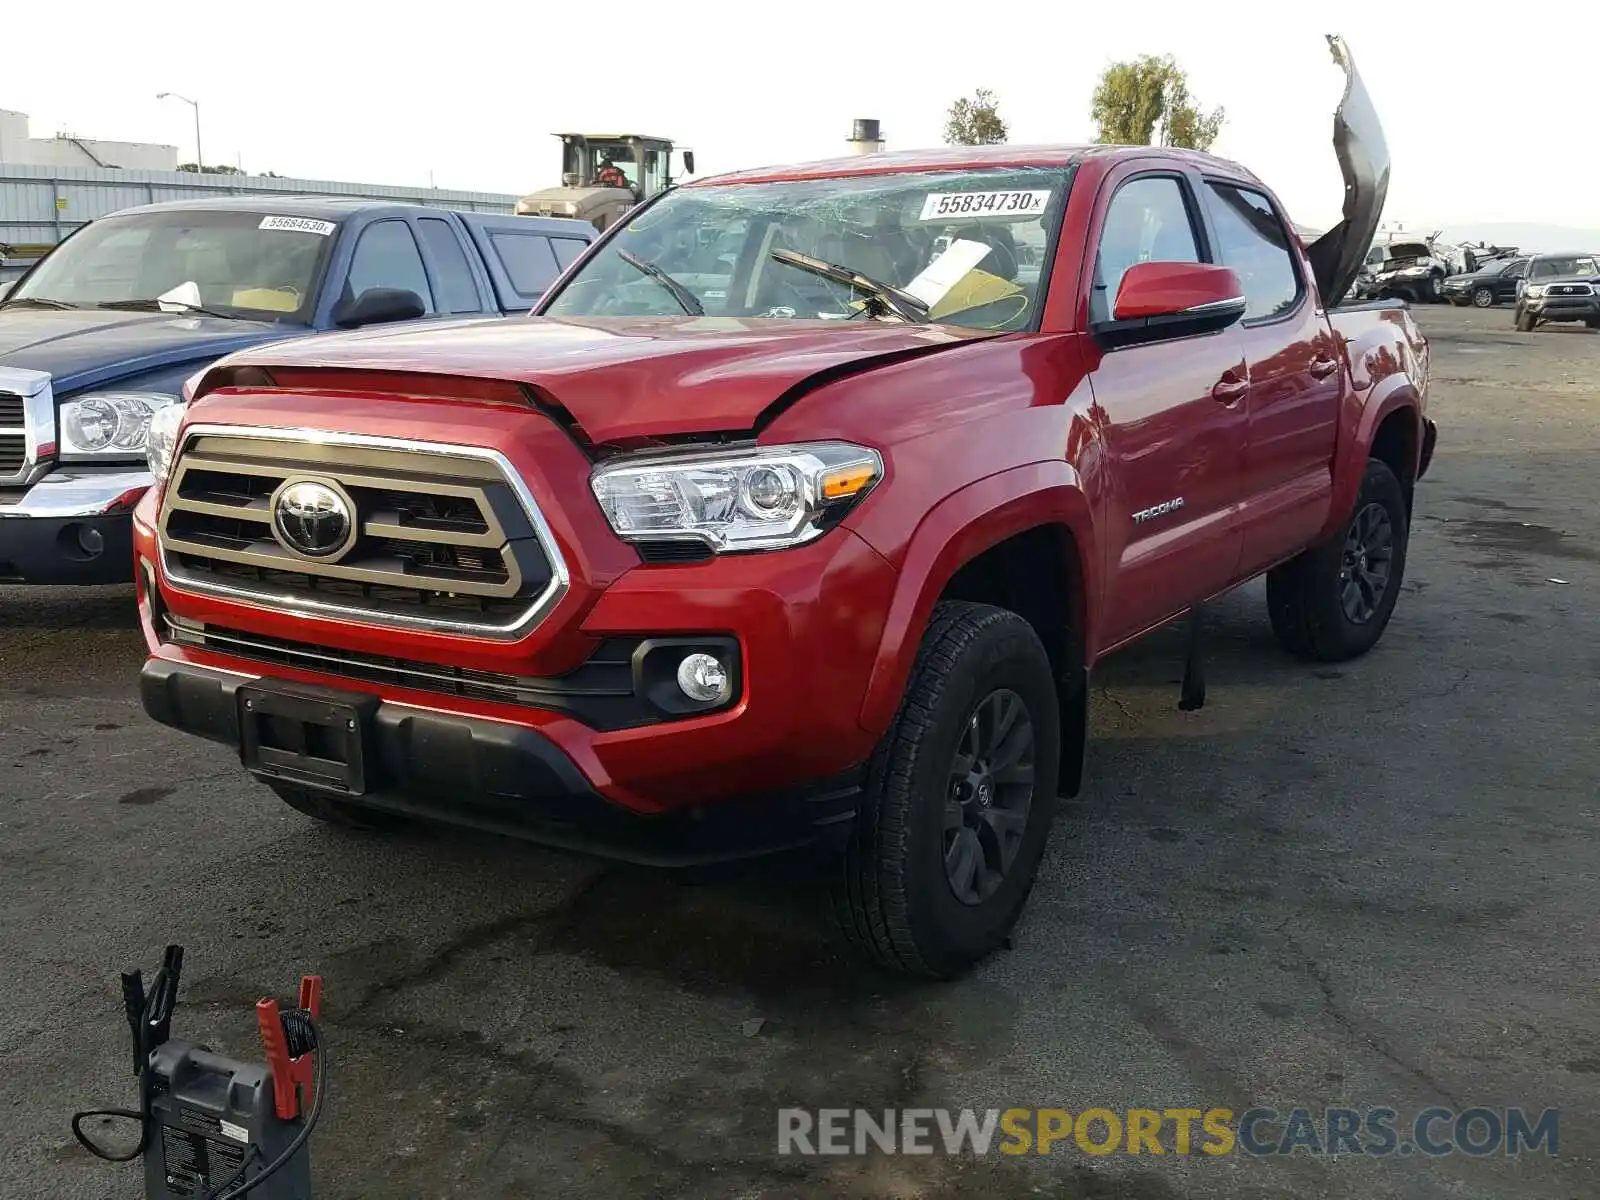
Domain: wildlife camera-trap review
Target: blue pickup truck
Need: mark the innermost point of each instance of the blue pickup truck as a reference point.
(102, 332)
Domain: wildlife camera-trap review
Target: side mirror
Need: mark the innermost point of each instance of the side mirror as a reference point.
(379, 305)
(688, 162)
(1158, 301)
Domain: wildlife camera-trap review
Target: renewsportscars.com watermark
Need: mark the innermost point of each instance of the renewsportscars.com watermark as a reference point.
(1258, 1132)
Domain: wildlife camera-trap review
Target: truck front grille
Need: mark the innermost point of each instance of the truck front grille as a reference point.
(10, 411)
(442, 537)
(13, 453)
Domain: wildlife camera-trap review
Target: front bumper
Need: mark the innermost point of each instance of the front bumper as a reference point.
(808, 624)
(515, 780)
(1562, 308)
(71, 528)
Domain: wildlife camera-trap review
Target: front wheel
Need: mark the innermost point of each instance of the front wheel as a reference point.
(959, 799)
(1525, 321)
(1435, 288)
(1483, 297)
(1334, 601)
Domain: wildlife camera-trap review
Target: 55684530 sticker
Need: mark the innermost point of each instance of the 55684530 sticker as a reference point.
(299, 225)
(1021, 202)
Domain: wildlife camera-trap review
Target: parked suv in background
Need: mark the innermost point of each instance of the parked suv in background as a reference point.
(1487, 286)
(1559, 287)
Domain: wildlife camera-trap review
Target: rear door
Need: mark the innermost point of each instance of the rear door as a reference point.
(458, 288)
(525, 255)
(1297, 377)
(1172, 419)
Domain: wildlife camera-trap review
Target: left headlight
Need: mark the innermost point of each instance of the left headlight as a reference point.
(1533, 290)
(765, 499)
(106, 426)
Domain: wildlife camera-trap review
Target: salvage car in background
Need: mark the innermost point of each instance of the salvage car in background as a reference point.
(1559, 287)
(1487, 286)
(1413, 271)
(102, 331)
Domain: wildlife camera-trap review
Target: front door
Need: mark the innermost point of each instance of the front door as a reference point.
(1297, 379)
(1172, 416)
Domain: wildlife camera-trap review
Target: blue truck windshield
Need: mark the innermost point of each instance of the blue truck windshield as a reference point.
(252, 265)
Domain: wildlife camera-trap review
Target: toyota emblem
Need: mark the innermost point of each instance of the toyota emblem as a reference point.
(313, 519)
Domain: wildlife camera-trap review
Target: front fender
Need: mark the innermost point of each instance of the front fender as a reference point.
(1356, 435)
(958, 529)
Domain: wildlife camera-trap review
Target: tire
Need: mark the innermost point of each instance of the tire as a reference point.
(1525, 321)
(1435, 289)
(331, 811)
(1483, 297)
(1591, 322)
(1309, 597)
(893, 892)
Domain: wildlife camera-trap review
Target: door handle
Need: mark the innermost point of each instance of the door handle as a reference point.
(1230, 388)
(1322, 366)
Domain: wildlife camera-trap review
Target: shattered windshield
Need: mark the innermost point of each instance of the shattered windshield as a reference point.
(970, 247)
(253, 265)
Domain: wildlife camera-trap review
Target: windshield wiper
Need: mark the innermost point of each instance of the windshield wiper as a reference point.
(35, 302)
(685, 298)
(156, 306)
(888, 297)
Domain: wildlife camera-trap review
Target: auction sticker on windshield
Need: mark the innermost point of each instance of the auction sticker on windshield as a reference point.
(298, 225)
(984, 204)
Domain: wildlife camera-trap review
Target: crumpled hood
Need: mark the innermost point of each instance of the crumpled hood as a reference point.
(86, 347)
(627, 377)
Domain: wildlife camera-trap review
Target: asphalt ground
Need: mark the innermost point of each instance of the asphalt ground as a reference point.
(1365, 886)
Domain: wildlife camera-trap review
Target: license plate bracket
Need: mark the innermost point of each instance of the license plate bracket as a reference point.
(305, 735)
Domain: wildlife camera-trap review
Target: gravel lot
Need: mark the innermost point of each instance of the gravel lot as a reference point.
(1370, 885)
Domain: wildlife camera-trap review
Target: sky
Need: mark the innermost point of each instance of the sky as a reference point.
(1489, 117)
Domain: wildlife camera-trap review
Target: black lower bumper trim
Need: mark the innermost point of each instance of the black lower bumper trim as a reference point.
(512, 780)
(1430, 438)
(80, 550)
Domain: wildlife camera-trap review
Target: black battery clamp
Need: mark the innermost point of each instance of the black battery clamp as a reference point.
(210, 1127)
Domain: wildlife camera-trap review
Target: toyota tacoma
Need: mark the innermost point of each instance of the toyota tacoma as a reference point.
(819, 541)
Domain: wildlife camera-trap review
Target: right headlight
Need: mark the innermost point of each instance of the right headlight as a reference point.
(762, 499)
(163, 440)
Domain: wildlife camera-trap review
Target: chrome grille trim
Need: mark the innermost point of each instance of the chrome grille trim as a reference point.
(321, 455)
(28, 442)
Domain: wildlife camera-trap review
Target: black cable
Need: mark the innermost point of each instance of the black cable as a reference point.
(99, 1152)
(299, 1028)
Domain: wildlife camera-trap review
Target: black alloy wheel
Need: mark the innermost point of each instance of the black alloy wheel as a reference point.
(990, 793)
(1364, 571)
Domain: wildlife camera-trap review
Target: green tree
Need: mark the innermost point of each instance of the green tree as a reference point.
(975, 121)
(1147, 102)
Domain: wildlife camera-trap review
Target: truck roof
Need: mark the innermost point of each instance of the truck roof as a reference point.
(329, 208)
(955, 158)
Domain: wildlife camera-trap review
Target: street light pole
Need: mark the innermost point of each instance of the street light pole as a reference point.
(199, 155)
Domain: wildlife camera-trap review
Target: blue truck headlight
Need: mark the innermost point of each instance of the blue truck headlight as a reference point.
(109, 426)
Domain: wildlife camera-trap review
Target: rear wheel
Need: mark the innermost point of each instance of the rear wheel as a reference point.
(959, 800)
(1334, 601)
(1483, 297)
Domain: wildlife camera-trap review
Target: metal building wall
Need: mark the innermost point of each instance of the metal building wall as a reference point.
(40, 205)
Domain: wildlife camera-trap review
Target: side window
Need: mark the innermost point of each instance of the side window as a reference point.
(1147, 221)
(387, 256)
(1516, 270)
(528, 260)
(457, 292)
(1251, 240)
(567, 250)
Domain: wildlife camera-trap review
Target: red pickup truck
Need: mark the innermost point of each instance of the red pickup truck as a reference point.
(802, 509)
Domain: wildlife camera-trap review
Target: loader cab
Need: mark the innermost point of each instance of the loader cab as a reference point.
(605, 174)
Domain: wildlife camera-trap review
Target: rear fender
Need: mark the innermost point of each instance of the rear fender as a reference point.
(1355, 445)
(957, 530)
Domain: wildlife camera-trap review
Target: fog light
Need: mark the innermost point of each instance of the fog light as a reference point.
(703, 678)
(91, 541)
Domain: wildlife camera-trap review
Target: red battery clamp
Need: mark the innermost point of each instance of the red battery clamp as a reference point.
(290, 1058)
